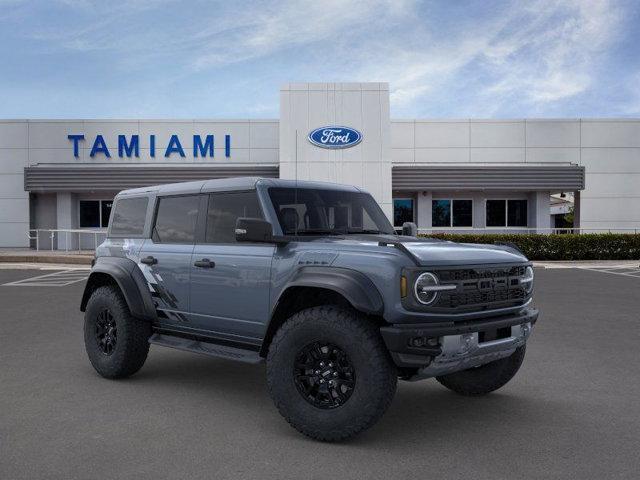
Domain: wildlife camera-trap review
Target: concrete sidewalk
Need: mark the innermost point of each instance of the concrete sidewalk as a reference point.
(26, 255)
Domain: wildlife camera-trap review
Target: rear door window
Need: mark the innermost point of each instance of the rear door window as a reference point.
(176, 219)
(129, 216)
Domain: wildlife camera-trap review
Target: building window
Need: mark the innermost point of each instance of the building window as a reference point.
(452, 213)
(105, 212)
(507, 213)
(95, 213)
(402, 211)
(517, 213)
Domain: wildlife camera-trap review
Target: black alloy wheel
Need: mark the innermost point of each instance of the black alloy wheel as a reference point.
(324, 375)
(106, 332)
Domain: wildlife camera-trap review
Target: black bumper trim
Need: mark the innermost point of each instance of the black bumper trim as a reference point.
(397, 336)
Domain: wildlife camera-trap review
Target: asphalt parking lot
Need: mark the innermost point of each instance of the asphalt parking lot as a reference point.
(573, 410)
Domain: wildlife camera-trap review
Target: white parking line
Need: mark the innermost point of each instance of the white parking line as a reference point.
(623, 271)
(55, 279)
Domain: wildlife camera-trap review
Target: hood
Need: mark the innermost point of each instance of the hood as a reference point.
(433, 251)
(450, 253)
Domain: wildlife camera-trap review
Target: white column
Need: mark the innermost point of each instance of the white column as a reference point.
(423, 204)
(539, 211)
(67, 218)
(363, 106)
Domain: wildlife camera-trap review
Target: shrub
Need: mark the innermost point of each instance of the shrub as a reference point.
(586, 246)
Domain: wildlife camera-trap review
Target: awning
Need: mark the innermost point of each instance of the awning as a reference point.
(555, 178)
(90, 178)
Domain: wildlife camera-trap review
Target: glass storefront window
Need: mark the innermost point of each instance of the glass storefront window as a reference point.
(517, 213)
(95, 213)
(462, 213)
(507, 213)
(403, 211)
(452, 213)
(441, 213)
(89, 214)
(105, 212)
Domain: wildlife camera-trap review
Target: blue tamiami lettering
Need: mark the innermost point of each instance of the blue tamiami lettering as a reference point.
(174, 147)
(129, 146)
(75, 139)
(198, 147)
(152, 146)
(99, 146)
(133, 147)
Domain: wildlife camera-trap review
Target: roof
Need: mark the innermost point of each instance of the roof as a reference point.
(235, 183)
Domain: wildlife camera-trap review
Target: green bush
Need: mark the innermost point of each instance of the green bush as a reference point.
(586, 246)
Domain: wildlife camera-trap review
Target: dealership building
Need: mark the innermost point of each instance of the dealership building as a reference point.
(445, 175)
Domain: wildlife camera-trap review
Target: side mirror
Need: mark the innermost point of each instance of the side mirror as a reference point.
(253, 230)
(409, 229)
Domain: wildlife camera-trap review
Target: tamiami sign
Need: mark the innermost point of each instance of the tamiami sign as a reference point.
(129, 146)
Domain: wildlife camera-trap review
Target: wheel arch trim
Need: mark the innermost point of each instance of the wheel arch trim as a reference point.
(130, 280)
(355, 287)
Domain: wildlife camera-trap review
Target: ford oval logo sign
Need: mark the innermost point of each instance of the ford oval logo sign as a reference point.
(335, 137)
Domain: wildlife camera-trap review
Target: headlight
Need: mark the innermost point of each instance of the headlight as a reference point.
(427, 287)
(527, 280)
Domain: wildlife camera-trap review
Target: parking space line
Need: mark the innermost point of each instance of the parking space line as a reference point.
(615, 271)
(56, 279)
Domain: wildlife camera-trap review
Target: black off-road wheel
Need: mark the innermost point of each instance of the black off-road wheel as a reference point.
(117, 344)
(485, 378)
(329, 373)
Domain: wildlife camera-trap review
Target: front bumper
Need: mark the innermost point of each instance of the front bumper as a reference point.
(445, 347)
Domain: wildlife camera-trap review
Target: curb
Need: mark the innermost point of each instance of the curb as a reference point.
(56, 259)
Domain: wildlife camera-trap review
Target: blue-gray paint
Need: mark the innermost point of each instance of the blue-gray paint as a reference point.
(236, 299)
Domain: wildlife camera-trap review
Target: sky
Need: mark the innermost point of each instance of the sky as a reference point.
(207, 59)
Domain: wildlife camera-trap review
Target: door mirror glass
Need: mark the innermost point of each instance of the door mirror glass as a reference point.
(253, 230)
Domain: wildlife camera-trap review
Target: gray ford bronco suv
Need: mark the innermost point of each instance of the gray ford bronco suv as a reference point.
(312, 279)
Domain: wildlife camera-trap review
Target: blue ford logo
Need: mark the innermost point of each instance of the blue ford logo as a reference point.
(335, 137)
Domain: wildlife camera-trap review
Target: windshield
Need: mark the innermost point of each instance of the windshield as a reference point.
(310, 211)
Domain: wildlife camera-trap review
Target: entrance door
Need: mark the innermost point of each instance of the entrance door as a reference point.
(166, 257)
(230, 281)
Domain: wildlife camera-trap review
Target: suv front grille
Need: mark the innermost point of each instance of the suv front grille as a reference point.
(482, 287)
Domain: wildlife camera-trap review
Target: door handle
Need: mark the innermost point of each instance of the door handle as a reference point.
(149, 260)
(204, 263)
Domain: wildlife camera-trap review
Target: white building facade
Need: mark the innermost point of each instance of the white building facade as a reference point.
(445, 175)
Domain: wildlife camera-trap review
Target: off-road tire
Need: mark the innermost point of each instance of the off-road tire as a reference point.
(485, 378)
(375, 373)
(132, 343)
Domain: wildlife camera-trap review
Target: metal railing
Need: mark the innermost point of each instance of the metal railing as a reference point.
(69, 235)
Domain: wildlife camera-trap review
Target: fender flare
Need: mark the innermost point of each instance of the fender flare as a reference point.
(132, 284)
(356, 287)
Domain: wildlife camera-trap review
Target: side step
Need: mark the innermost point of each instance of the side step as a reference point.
(211, 349)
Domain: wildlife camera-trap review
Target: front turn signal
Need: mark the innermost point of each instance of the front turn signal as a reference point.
(403, 286)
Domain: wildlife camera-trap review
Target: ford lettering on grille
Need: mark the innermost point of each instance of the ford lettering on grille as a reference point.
(482, 287)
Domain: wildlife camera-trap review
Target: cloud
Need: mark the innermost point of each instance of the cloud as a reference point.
(289, 24)
(544, 53)
(447, 58)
